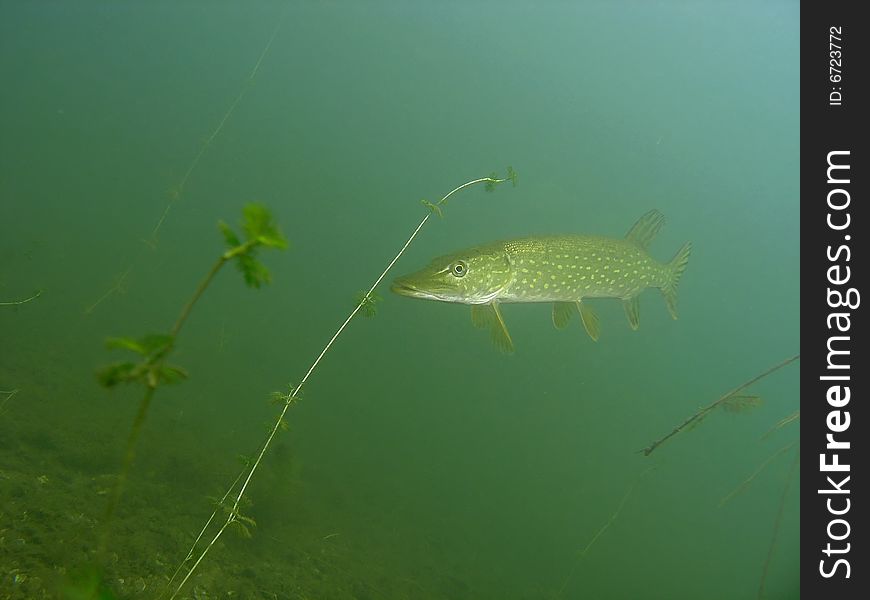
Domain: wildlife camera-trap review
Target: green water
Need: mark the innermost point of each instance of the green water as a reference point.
(421, 462)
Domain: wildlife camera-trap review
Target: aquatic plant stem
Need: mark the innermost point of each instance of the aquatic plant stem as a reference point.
(226, 256)
(782, 423)
(746, 482)
(294, 394)
(703, 412)
(776, 523)
(118, 286)
(604, 528)
(129, 454)
(151, 387)
(20, 302)
(179, 190)
(204, 529)
(9, 394)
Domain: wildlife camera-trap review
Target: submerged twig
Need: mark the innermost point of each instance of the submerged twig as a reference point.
(118, 286)
(776, 522)
(8, 396)
(603, 528)
(703, 412)
(25, 301)
(746, 482)
(782, 423)
(177, 192)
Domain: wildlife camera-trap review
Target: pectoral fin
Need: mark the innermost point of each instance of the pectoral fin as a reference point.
(632, 311)
(481, 316)
(589, 319)
(489, 316)
(562, 312)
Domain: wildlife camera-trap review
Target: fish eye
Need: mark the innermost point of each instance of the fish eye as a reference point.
(459, 269)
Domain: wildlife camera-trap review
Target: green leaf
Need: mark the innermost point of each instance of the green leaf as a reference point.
(255, 273)
(170, 374)
(512, 176)
(122, 372)
(260, 230)
(433, 207)
(368, 303)
(490, 185)
(284, 397)
(230, 236)
(242, 530)
(278, 398)
(273, 241)
(147, 345)
(258, 225)
(126, 344)
(157, 343)
(246, 520)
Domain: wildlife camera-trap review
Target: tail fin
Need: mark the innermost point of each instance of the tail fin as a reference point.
(675, 272)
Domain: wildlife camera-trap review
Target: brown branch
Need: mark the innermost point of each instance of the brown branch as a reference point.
(703, 412)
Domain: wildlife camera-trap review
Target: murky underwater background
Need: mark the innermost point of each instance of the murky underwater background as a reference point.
(421, 462)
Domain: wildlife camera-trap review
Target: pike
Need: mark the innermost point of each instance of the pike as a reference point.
(564, 270)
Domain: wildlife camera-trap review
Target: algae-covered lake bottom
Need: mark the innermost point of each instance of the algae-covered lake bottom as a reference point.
(419, 461)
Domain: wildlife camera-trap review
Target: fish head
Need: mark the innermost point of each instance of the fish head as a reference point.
(473, 276)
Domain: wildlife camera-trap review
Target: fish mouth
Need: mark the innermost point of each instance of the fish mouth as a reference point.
(405, 287)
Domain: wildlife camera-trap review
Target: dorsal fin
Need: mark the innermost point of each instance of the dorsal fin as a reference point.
(646, 228)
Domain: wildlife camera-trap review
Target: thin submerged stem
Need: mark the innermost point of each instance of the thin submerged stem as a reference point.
(746, 482)
(703, 412)
(24, 301)
(294, 394)
(782, 423)
(129, 454)
(776, 523)
(603, 528)
(117, 286)
(185, 312)
(190, 553)
(178, 191)
(7, 396)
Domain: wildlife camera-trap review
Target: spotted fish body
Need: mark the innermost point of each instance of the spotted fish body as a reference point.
(563, 270)
(573, 267)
